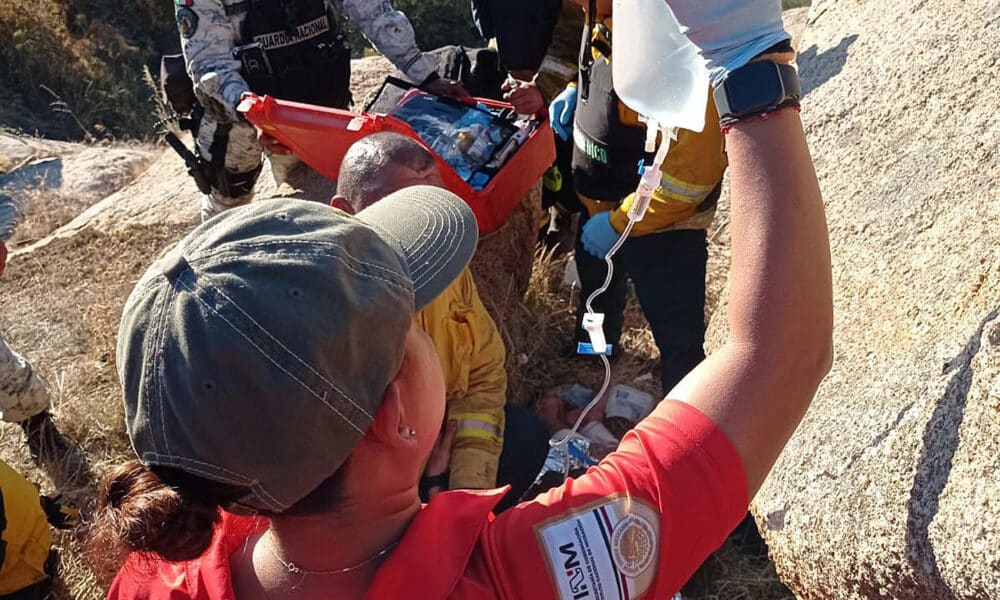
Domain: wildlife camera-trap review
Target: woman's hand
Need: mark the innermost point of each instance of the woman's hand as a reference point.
(524, 96)
(730, 33)
(440, 458)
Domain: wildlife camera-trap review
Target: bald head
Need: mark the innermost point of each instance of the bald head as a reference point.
(379, 164)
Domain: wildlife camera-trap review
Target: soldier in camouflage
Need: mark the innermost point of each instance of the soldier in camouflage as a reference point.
(291, 49)
(23, 393)
(24, 397)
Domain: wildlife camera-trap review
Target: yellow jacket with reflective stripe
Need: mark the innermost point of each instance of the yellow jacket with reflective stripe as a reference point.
(559, 67)
(472, 357)
(693, 168)
(24, 532)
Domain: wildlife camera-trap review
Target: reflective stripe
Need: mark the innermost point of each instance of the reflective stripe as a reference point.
(479, 425)
(558, 68)
(685, 192)
(467, 434)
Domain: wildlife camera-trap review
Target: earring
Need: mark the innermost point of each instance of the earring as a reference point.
(409, 432)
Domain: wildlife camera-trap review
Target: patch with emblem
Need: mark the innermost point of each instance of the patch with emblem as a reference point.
(633, 545)
(605, 550)
(187, 21)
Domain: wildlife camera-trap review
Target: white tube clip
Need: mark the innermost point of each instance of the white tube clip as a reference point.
(593, 324)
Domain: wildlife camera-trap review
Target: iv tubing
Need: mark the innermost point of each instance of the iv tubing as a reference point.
(643, 196)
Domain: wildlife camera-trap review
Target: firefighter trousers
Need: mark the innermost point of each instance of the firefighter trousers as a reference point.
(668, 272)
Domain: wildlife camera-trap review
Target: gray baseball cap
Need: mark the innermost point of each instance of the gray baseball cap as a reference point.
(257, 351)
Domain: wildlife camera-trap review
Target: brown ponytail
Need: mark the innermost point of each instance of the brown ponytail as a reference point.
(155, 510)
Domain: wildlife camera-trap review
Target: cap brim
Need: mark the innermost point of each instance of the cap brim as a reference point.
(433, 230)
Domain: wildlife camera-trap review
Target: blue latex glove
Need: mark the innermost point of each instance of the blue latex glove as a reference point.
(599, 234)
(729, 33)
(561, 112)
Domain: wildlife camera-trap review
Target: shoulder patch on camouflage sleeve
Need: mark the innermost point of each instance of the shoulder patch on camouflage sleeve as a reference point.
(187, 21)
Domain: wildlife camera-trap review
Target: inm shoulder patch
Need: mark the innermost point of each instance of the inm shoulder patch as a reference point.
(604, 550)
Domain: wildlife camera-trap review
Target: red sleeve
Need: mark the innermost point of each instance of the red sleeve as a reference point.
(635, 526)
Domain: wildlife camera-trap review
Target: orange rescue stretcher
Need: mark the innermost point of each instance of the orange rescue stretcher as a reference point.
(320, 137)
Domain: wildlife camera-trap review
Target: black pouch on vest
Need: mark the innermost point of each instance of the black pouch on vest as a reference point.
(477, 69)
(321, 75)
(175, 84)
(294, 51)
(255, 67)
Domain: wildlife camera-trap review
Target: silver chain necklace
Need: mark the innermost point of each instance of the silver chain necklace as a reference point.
(292, 568)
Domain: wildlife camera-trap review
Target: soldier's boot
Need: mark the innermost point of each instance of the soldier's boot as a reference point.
(55, 453)
(44, 440)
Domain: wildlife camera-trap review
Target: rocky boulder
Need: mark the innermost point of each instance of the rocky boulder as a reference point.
(891, 486)
(17, 150)
(53, 181)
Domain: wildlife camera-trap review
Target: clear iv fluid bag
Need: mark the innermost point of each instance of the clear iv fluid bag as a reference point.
(657, 71)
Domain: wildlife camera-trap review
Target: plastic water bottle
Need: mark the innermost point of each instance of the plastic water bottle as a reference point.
(657, 71)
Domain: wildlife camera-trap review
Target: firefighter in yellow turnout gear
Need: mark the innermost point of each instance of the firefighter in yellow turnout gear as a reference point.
(491, 442)
(24, 536)
(472, 360)
(666, 253)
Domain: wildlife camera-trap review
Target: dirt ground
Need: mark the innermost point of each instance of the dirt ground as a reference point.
(59, 306)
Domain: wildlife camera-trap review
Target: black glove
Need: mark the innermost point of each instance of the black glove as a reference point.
(59, 515)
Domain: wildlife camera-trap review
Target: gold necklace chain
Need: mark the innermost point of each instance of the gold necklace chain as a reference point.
(292, 568)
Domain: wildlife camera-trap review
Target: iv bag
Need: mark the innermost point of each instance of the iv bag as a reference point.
(657, 71)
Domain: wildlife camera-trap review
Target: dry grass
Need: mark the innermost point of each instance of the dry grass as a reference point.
(542, 329)
(729, 574)
(59, 305)
(42, 213)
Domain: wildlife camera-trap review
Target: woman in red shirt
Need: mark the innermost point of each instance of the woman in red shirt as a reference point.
(281, 405)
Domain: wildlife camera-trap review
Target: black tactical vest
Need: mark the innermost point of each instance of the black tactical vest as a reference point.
(606, 152)
(306, 59)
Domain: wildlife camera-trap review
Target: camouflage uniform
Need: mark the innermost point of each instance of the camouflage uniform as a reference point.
(211, 30)
(23, 393)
